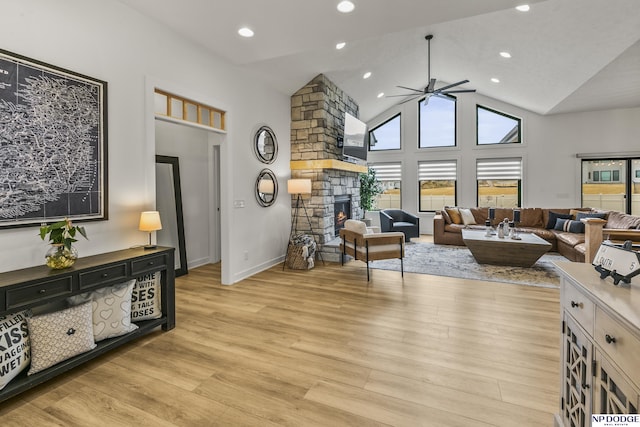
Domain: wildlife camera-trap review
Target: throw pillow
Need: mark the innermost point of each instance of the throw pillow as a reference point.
(581, 215)
(467, 216)
(111, 310)
(553, 216)
(145, 298)
(575, 212)
(59, 336)
(445, 215)
(454, 214)
(356, 226)
(14, 346)
(569, 225)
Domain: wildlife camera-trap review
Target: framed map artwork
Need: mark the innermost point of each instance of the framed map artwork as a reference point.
(53, 144)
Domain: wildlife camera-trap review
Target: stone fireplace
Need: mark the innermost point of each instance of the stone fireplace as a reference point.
(317, 119)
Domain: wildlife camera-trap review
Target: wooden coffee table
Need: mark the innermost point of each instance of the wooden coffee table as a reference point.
(493, 250)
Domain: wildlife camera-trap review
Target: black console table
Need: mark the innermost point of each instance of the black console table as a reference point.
(35, 286)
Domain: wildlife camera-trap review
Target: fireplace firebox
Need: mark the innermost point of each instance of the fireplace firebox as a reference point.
(341, 211)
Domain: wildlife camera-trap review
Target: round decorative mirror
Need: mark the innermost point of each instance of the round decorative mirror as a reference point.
(266, 188)
(265, 145)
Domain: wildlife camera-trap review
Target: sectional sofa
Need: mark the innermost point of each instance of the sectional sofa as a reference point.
(562, 227)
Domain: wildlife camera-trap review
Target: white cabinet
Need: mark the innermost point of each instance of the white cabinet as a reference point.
(600, 364)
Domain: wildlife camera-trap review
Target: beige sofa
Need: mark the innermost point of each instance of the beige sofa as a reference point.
(541, 221)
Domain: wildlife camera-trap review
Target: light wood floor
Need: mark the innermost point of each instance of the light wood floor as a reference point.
(323, 348)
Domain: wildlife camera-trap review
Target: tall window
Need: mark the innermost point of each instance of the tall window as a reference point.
(385, 136)
(437, 184)
(437, 122)
(390, 176)
(499, 182)
(494, 127)
(612, 184)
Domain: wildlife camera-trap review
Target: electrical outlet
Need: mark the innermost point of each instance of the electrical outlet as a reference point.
(246, 255)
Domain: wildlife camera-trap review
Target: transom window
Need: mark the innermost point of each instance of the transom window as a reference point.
(437, 184)
(437, 122)
(385, 136)
(179, 108)
(494, 127)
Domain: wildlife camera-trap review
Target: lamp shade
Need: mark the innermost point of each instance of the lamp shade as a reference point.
(266, 186)
(299, 186)
(150, 221)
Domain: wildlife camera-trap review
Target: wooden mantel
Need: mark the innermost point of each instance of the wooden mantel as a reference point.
(327, 164)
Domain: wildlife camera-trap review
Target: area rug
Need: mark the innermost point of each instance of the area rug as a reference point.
(457, 261)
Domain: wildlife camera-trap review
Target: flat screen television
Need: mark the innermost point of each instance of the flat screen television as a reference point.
(355, 139)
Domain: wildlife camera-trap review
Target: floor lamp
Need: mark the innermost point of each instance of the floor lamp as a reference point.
(298, 187)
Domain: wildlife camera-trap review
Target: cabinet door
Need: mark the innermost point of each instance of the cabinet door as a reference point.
(577, 376)
(613, 393)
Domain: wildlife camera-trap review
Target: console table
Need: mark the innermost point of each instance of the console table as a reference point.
(600, 345)
(35, 286)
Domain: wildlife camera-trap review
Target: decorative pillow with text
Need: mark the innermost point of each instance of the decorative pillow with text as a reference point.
(14, 346)
(145, 299)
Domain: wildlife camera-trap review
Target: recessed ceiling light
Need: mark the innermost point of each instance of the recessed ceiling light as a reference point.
(245, 32)
(523, 8)
(495, 80)
(381, 94)
(340, 45)
(505, 54)
(366, 75)
(346, 6)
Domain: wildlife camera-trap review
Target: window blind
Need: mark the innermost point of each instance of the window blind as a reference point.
(499, 169)
(387, 171)
(438, 171)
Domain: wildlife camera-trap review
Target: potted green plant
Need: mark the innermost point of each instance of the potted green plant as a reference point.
(61, 236)
(370, 188)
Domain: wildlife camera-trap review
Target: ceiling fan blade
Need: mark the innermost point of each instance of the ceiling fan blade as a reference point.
(431, 85)
(455, 91)
(452, 85)
(409, 99)
(409, 88)
(397, 96)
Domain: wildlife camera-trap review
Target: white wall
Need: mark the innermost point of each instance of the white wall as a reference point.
(111, 42)
(550, 167)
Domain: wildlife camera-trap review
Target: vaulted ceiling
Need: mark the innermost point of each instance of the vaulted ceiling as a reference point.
(567, 55)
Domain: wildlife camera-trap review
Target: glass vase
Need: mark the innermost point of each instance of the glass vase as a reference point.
(59, 256)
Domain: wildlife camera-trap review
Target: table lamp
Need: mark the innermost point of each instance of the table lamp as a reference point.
(150, 221)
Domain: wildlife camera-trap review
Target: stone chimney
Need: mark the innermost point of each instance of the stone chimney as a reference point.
(317, 121)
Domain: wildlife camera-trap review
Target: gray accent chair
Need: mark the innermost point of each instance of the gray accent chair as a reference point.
(399, 220)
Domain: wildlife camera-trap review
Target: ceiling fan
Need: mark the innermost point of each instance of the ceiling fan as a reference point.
(430, 89)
